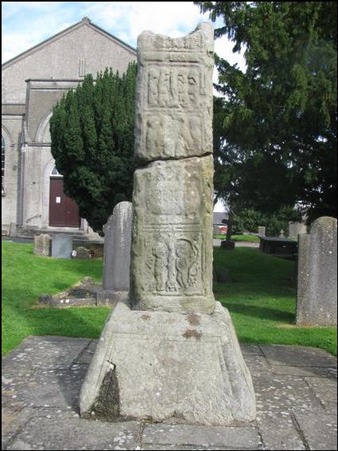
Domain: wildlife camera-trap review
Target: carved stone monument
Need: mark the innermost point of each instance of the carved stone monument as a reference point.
(170, 352)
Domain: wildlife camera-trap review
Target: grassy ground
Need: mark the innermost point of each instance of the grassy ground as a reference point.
(244, 237)
(261, 299)
(260, 296)
(25, 277)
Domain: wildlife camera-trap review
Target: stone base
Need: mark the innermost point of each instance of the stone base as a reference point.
(169, 366)
(228, 245)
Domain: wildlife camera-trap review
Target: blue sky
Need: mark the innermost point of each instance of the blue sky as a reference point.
(26, 24)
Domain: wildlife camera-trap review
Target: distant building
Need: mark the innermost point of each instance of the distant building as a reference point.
(219, 227)
(218, 217)
(32, 83)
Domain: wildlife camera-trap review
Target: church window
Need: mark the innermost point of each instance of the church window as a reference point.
(55, 172)
(82, 67)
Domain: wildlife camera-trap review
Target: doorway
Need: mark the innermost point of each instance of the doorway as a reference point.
(63, 211)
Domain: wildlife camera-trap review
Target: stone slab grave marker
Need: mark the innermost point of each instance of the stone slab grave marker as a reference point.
(170, 352)
(116, 253)
(42, 245)
(317, 274)
(62, 246)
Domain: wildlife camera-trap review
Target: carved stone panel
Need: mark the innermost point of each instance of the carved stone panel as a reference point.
(172, 236)
(174, 103)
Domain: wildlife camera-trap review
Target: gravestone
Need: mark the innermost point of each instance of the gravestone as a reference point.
(82, 253)
(42, 245)
(116, 252)
(295, 228)
(317, 274)
(261, 230)
(171, 351)
(12, 229)
(62, 246)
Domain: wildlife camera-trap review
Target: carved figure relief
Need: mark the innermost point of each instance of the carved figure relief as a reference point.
(160, 253)
(184, 136)
(154, 135)
(186, 255)
(165, 44)
(173, 266)
(174, 87)
(177, 185)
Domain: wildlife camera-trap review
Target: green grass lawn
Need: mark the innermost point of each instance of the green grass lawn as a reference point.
(243, 237)
(25, 277)
(260, 297)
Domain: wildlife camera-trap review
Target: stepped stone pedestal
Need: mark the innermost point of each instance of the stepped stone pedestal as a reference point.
(170, 352)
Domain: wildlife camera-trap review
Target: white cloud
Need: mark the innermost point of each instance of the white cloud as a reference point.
(26, 24)
(131, 18)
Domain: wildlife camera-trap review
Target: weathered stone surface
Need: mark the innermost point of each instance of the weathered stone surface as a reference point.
(174, 101)
(62, 246)
(84, 293)
(41, 380)
(82, 252)
(170, 351)
(317, 274)
(42, 245)
(295, 228)
(172, 236)
(116, 254)
(171, 266)
(188, 367)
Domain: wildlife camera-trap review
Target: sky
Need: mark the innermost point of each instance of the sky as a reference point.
(26, 24)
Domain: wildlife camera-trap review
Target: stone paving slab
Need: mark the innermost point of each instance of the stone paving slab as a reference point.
(205, 436)
(295, 387)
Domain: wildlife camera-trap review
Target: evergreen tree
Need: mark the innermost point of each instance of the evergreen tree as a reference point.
(276, 135)
(92, 142)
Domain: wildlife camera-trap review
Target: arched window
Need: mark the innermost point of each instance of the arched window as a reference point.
(55, 173)
(2, 165)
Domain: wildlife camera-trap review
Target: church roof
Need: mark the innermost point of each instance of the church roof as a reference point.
(84, 22)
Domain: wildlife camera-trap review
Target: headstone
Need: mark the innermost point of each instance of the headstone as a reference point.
(171, 351)
(317, 274)
(261, 230)
(295, 228)
(62, 246)
(42, 245)
(116, 251)
(12, 229)
(82, 252)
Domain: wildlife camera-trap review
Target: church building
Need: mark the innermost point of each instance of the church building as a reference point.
(33, 200)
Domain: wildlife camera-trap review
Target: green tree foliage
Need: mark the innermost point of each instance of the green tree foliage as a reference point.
(275, 127)
(92, 142)
(248, 220)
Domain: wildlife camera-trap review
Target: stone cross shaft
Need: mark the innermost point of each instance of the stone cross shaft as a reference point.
(171, 251)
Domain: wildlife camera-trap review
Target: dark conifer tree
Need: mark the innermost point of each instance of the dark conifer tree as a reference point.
(276, 136)
(92, 135)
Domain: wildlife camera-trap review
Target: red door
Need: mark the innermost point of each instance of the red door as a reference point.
(63, 211)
